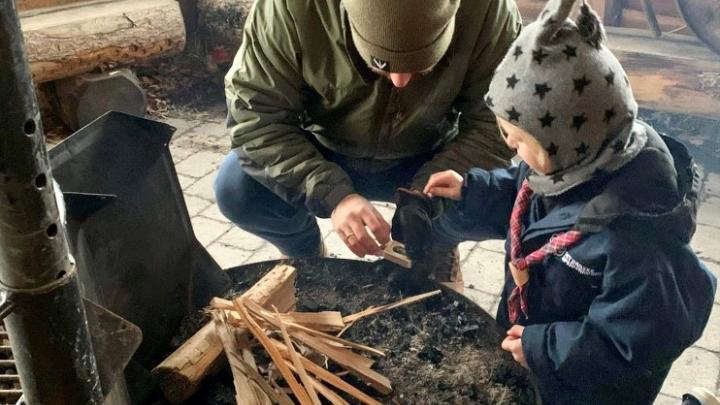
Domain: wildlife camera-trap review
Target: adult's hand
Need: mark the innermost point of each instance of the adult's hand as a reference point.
(352, 218)
(446, 184)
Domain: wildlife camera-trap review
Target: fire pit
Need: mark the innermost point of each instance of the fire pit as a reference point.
(441, 350)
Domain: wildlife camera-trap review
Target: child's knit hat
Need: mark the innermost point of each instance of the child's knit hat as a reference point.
(561, 84)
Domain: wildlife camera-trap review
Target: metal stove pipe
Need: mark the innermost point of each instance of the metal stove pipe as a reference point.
(48, 327)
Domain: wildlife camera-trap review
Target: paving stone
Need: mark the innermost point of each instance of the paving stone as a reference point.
(227, 256)
(195, 204)
(336, 247)
(180, 153)
(240, 239)
(326, 227)
(705, 242)
(695, 368)
(709, 211)
(181, 125)
(265, 253)
(386, 209)
(484, 269)
(486, 301)
(495, 245)
(711, 336)
(203, 188)
(199, 164)
(465, 248)
(185, 181)
(213, 129)
(663, 399)
(207, 230)
(715, 269)
(213, 212)
(206, 136)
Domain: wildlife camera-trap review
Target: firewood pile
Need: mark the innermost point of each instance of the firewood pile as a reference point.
(299, 344)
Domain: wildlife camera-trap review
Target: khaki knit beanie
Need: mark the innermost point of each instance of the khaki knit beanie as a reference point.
(402, 36)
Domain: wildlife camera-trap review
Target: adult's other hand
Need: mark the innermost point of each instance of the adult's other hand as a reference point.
(352, 218)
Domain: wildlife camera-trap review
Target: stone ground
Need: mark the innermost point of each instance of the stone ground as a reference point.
(201, 143)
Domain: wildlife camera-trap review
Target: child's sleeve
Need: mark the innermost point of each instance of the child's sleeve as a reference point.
(487, 200)
(652, 307)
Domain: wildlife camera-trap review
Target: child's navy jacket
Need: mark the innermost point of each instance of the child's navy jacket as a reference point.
(608, 316)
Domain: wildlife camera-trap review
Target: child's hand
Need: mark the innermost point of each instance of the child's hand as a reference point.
(513, 344)
(446, 184)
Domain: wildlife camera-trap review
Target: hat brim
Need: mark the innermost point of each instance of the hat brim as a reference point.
(405, 61)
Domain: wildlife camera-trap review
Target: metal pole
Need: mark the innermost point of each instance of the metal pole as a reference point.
(48, 327)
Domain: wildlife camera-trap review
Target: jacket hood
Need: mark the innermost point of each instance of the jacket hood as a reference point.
(659, 188)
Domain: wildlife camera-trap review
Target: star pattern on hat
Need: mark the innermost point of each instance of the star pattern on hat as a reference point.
(512, 81)
(581, 83)
(618, 146)
(570, 52)
(541, 89)
(539, 55)
(518, 51)
(547, 120)
(552, 149)
(489, 101)
(513, 115)
(579, 121)
(610, 78)
(609, 115)
(558, 178)
(582, 149)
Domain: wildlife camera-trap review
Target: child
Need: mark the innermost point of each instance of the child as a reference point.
(602, 290)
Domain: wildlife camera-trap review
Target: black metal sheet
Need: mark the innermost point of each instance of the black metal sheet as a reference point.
(137, 252)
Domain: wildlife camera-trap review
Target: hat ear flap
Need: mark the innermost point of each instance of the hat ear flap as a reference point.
(590, 26)
(553, 17)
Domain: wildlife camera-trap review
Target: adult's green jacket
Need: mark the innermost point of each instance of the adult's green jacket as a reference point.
(297, 82)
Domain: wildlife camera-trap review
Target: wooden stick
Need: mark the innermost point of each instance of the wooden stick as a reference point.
(257, 310)
(275, 355)
(348, 360)
(395, 252)
(180, 374)
(244, 393)
(332, 379)
(326, 321)
(375, 310)
(334, 398)
(298, 365)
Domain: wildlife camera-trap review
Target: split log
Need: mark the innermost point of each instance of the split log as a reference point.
(69, 40)
(181, 373)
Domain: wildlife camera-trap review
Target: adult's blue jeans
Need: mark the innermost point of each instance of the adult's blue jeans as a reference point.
(293, 229)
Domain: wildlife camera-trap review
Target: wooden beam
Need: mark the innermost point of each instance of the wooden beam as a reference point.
(181, 373)
(24, 5)
(72, 39)
(674, 74)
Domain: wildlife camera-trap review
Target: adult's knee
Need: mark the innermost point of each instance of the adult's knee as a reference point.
(236, 192)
